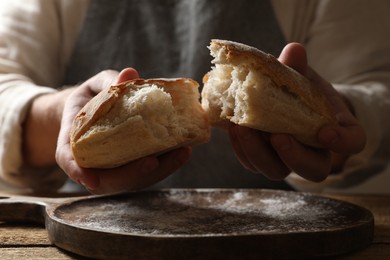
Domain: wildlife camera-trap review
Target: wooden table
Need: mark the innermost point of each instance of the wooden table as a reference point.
(31, 242)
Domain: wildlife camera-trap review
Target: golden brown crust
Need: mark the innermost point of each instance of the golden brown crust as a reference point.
(103, 102)
(284, 76)
(95, 109)
(251, 88)
(125, 122)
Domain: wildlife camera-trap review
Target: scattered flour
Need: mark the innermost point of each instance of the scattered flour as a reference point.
(205, 213)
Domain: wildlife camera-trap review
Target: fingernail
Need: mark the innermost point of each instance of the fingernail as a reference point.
(281, 142)
(87, 186)
(328, 136)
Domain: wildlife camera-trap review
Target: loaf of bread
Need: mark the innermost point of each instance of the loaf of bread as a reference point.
(251, 88)
(138, 118)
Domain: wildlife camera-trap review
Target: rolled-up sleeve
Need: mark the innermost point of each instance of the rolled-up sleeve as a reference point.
(35, 41)
(347, 43)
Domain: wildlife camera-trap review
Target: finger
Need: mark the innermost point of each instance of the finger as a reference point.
(124, 178)
(294, 55)
(239, 152)
(83, 94)
(105, 79)
(347, 138)
(313, 165)
(77, 100)
(127, 74)
(65, 160)
(141, 173)
(343, 139)
(168, 163)
(100, 81)
(172, 161)
(257, 153)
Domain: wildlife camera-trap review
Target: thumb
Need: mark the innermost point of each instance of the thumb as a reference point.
(346, 138)
(294, 55)
(127, 74)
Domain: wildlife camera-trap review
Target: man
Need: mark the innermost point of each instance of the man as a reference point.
(74, 40)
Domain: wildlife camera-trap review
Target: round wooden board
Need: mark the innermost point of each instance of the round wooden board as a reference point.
(211, 223)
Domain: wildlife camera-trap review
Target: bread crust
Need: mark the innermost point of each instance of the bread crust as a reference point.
(266, 68)
(120, 142)
(95, 109)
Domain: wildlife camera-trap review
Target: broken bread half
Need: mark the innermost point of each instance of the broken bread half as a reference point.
(138, 118)
(251, 88)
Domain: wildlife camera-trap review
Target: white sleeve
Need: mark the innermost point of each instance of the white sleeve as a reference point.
(367, 171)
(347, 43)
(35, 43)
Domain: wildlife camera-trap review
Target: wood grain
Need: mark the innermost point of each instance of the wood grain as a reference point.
(20, 241)
(23, 235)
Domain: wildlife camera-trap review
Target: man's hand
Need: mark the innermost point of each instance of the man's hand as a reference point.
(135, 175)
(277, 155)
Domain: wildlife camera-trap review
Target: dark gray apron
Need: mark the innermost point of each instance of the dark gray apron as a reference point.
(169, 38)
